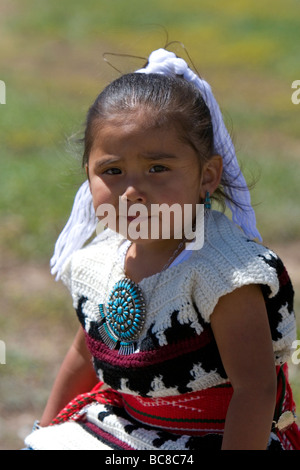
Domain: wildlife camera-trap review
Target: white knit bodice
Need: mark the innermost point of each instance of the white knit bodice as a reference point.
(187, 292)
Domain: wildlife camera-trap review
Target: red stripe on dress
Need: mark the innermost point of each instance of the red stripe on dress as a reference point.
(193, 413)
(145, 358)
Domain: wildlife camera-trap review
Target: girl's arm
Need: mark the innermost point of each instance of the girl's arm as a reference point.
(242, 332)
(75, 376)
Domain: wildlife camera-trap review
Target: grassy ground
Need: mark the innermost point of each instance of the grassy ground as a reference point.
(51, 62)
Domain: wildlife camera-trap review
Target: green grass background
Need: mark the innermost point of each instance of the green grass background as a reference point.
(51, 60)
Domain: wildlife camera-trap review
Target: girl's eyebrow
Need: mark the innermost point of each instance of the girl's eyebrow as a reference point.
(158, 156)
(105, 161)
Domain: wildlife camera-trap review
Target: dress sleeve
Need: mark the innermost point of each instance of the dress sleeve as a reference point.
(263, 267)
(220, 275)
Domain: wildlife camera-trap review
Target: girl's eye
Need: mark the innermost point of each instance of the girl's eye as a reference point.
(158, 169)
(112, 171)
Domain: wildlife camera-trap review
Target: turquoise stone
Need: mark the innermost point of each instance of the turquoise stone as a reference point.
(125, 314)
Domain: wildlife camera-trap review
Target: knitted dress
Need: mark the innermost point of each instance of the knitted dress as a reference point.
(172, 392)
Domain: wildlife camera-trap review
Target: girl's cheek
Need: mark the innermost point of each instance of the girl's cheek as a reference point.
(101, 194)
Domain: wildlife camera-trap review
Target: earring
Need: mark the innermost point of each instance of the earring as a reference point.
(207, 201)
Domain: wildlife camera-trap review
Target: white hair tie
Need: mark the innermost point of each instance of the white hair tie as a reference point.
(83, 221)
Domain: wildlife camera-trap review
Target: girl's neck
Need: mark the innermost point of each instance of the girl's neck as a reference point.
(144, 260)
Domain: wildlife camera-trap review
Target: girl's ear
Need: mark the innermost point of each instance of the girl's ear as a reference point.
(211, 175)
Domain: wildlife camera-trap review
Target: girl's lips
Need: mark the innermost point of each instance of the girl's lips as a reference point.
(137, 219)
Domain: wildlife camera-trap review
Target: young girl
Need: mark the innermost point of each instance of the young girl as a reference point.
(178, 348)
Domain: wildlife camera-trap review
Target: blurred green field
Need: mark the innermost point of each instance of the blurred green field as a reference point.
(51, 60)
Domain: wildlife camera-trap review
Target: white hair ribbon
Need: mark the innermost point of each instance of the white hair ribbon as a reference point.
(83, 221)
(79, 228)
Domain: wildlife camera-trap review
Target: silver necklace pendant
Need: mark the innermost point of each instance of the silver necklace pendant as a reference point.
(123, 318)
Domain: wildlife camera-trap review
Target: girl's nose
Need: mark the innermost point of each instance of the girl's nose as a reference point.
(134, 193)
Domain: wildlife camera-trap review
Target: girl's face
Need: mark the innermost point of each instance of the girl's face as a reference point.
(137, 164)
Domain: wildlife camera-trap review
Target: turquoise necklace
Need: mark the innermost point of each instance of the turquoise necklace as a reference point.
(123, 318)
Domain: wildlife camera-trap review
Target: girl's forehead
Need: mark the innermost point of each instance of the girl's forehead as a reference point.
(144, 117)
(120, 136)
(132, 125)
